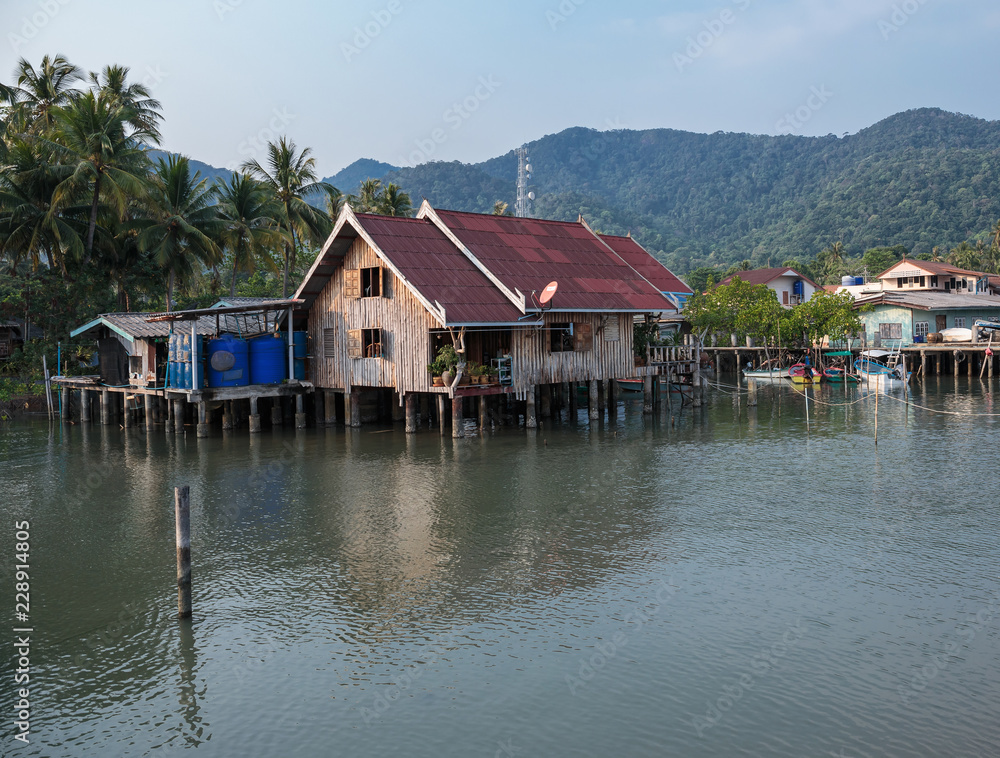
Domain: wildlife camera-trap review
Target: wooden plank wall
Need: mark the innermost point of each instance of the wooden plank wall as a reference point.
(534, 363)
(405, 325)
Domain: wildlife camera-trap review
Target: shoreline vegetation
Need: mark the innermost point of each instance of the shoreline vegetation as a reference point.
(91, 223)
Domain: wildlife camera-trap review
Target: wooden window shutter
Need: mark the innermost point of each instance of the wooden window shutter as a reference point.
(329, 342)
(583, 337)
(352, 283)
(354, 344)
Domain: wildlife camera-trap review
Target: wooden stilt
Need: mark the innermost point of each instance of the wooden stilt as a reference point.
(64, 402)
(593, 401)
(254, 416)
(751, 393)
(355, 415)
(84, 407)
(300, 412)
(613, 393)
(441, 414)
(456, 418)
(483, 415)
(412, 413)
(572, 401)
(127, 417)
(203, 427)
(530, 420)
(179, 416)
(647, 395)
(182, 523)
(147, 401)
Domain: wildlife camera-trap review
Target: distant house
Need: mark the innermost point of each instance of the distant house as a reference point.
(911, 315)
(791, 287)
(911, 275)
(13, 335)
(385, 293)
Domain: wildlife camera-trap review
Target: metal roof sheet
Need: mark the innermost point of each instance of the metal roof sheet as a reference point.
(519, 252)
(651, 269)
(931, 301)
(438, 270)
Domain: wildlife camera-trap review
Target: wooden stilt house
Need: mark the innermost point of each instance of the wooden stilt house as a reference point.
(386, 292)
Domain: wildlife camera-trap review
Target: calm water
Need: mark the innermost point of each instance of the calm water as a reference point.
(716, 587)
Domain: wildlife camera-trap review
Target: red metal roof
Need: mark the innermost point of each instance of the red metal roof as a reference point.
(527, 254)
(439, 270)
(651, 269)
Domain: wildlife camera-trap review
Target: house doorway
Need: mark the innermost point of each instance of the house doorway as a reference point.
(940, 323)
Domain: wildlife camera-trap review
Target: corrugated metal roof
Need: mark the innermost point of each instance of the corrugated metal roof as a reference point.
(651, 269)
(135, 325)
(527, 254)
(931, 267)
(438, 270)
(930, 300)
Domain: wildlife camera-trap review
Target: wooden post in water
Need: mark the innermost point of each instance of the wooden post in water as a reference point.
(546, 397)
(530, 419)
(254, 416)
(593, 401)
(612, 398)
(602, 396)
(876, 411)
(84, 407)
(647, 395)
(147, 401)
(178, 416)
(105, 408)
(64, 402)
(203, 428)
(456, 417)
(923, 363)
(182, 521)
(441, 414)
(483, 415)
(127, 420)
(751, 393)
(300, 412)
(412, 405)
(354, 419)
(572, 401)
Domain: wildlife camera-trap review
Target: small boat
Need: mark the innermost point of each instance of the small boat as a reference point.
(876, 372)
(800, 373)
(630, 385)
(956, 334)
(838, 376)
(766, 372)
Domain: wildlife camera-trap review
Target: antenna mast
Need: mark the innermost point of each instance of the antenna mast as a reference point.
(522, 208)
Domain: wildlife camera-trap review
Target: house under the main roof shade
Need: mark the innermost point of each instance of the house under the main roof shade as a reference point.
(385, 293)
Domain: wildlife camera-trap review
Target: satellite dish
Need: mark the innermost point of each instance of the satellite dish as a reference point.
(531, 195)
(548, 292)
(528, 167)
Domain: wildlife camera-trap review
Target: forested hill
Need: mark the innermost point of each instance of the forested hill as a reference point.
(922, 178)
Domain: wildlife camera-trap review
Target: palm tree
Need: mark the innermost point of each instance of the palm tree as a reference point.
(39, 92)
(500, 208)
(251, 224)
(28, 228)
(334, 203)
(112, 83)
(290, 175)
(392, 201)
(184, 223)
(91, 135)
(367, 199)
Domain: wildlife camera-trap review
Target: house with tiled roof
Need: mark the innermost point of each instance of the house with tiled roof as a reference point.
(385, 293)
(791, 287)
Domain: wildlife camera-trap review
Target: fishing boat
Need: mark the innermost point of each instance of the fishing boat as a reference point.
(768, 371)
(883, 367)
(838, 375)
(630, 385)
(801, 373)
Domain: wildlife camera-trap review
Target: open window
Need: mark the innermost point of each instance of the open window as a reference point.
(363, 282)
(566, 337)
(365, 343)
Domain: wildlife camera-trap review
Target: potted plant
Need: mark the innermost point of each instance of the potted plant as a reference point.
(475, 371)
(437, 368)
(447, 360)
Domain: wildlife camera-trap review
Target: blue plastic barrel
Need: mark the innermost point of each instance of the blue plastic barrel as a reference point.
(299, 352)
(858, 280)
(228, 362)
(267, 360)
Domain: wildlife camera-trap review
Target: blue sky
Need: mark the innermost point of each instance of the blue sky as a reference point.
(405, 81)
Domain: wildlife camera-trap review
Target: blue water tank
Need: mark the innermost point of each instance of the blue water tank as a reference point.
(228, 362)
(859, 280)
(797, 287)
(267, 360)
